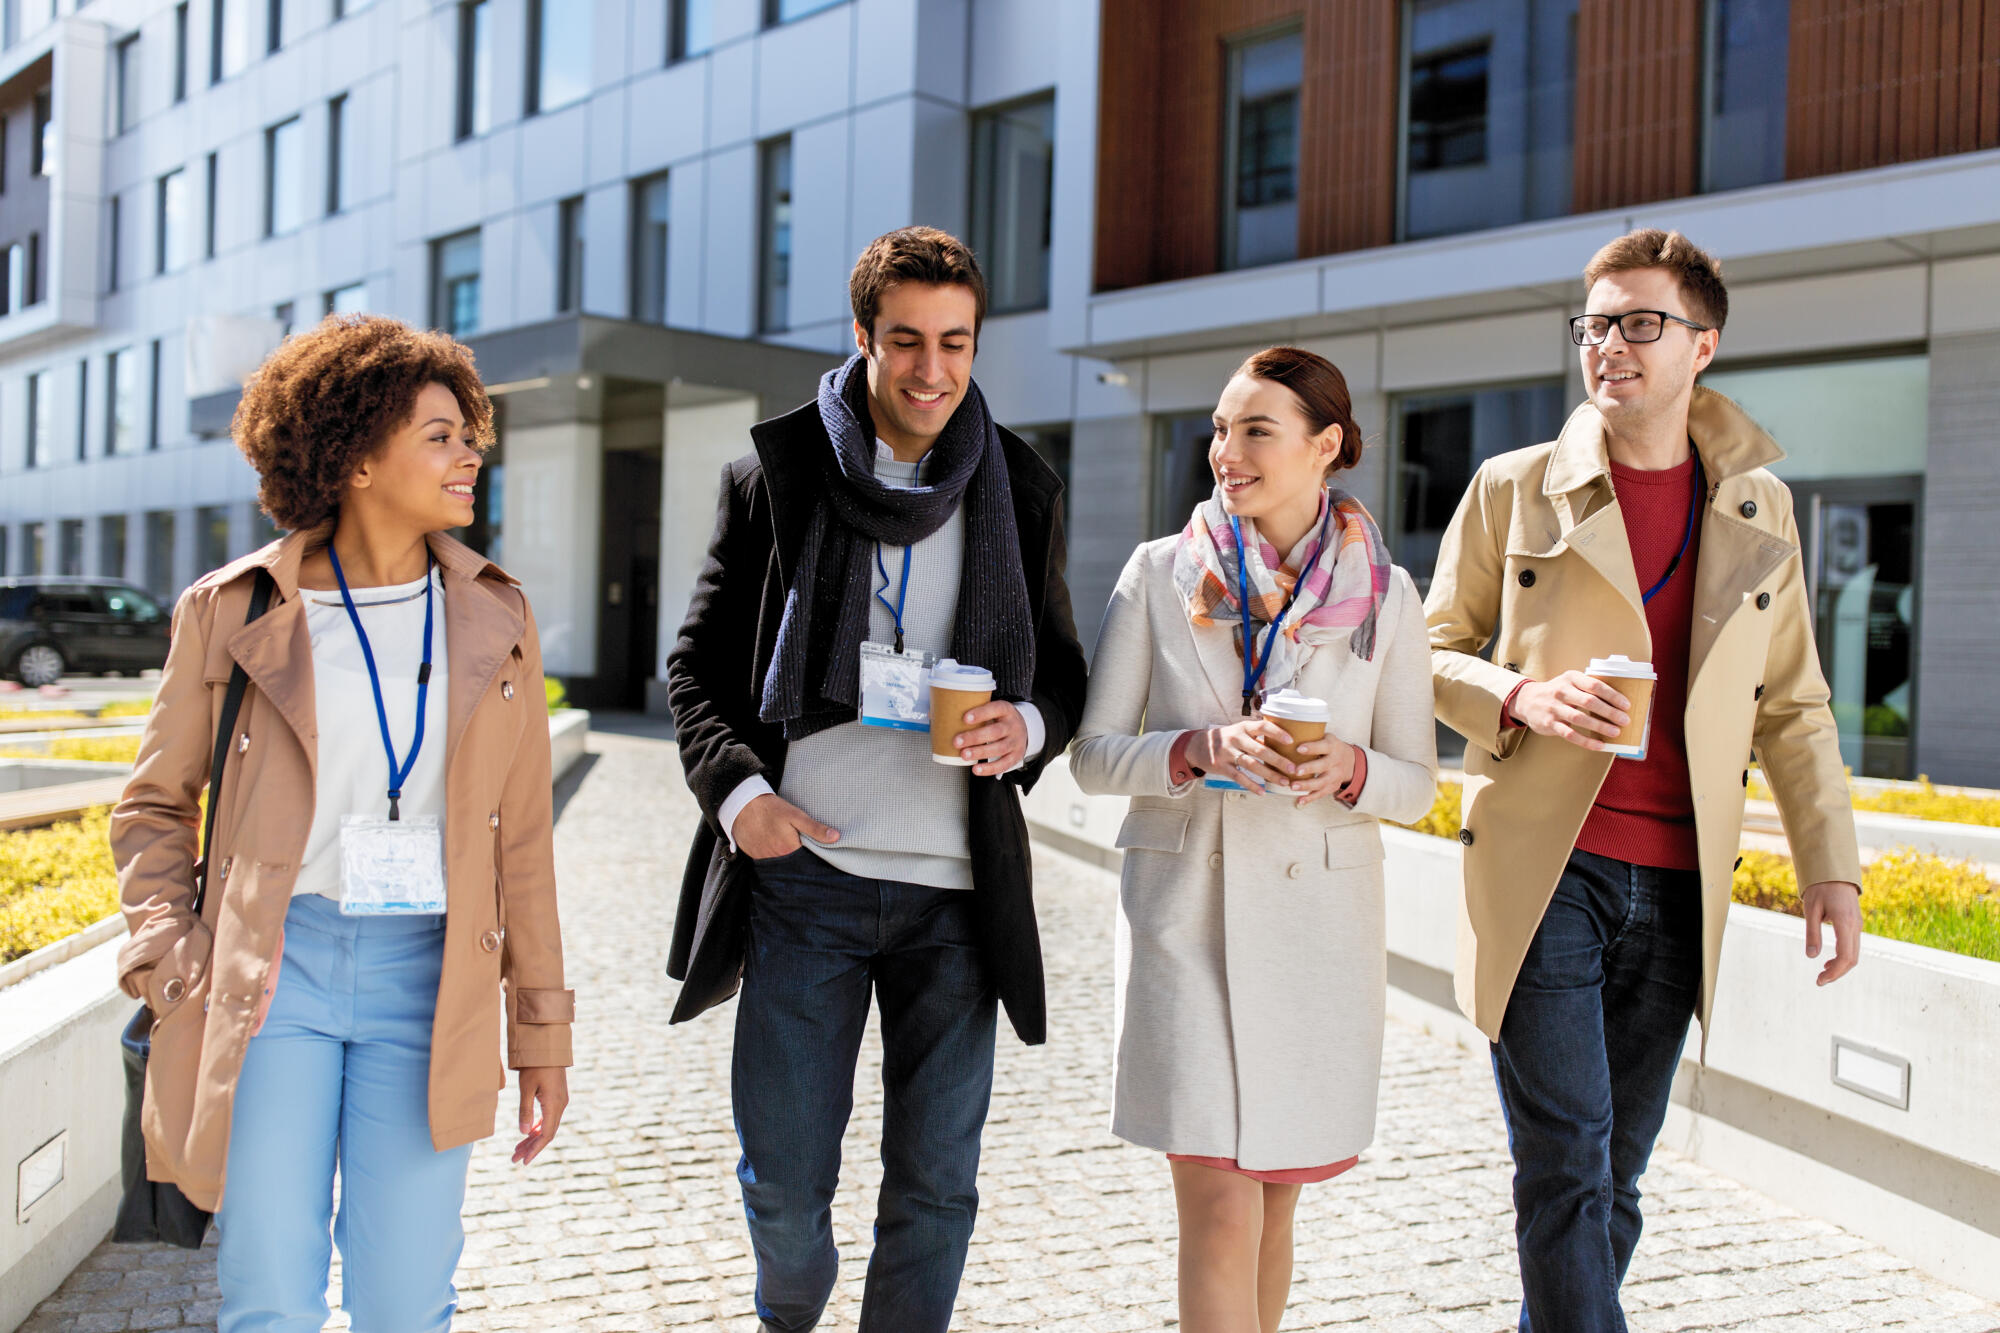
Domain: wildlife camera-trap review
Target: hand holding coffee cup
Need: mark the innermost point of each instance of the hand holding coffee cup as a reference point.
(969, 727)
(1322, 763)
(1245, 752)
(1575, 707)
(1634, 680)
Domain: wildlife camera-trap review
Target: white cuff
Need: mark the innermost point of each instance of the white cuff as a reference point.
(746, 791)
(1038, 731)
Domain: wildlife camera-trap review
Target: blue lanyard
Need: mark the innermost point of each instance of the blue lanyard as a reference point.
(1253, 664)
(398, 773)
(901, 597)
(1694, 507)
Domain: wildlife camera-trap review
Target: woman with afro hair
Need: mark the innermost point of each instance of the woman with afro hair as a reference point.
(380, 896)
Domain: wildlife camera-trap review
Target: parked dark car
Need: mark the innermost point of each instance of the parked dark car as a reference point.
(51, 625)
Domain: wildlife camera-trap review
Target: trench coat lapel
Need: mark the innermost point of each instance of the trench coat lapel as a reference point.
(1578, 466)
(1736, 555)
(1215, 649)
(480, 631)
(275, 651)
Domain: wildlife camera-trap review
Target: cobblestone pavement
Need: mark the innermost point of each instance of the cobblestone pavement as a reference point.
(632, 1220)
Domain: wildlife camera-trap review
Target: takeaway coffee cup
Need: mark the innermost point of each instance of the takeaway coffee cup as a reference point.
(954, 689)
(1303, 717)
(1635, 681)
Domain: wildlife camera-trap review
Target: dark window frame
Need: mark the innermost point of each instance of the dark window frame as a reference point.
(571, 219)
(471, 69)
(1446, 142)
(637, 268)
(336, 128)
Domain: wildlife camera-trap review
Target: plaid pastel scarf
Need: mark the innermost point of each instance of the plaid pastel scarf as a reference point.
(1343, 592)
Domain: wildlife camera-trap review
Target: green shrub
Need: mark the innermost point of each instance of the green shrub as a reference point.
(35, 714)
(126, 708)
(1906, 895)
(95, 749)
(54, 882)
(557, 695)
(1443, 820)
(1924, 801)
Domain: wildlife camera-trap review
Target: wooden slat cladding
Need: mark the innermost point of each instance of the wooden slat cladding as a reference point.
(1638, 102)
(1164, 79)
(1873, 82)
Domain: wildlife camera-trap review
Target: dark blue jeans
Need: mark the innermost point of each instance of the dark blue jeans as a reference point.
(1585, 1064)
(820, 941)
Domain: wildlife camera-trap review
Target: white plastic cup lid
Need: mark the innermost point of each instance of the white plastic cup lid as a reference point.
(1296, 707)
(950, 675)
(1620, 667)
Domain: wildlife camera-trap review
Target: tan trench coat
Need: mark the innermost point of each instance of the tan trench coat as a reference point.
(1538, 551)
(205, 979)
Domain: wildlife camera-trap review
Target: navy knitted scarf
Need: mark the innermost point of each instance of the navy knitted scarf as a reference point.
(815, 677)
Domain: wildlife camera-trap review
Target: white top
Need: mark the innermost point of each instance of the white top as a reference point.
(353, 771)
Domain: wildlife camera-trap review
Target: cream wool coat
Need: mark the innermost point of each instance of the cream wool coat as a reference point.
(1251, 959)
(1537, 566)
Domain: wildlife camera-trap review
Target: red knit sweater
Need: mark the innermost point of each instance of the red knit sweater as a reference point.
(1645, 811)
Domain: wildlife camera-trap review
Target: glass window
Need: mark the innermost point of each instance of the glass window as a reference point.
(160, 553)
(1848, 418)
(1262, 213)
(286, 314)
(774, 284)
(559, 38)
(41, 424)
(69, 547)
(173, 225)
(127, 603)
(181, 51)
(127, 87)
(1743, 130)
(652, 204)
(455, 289)
(342, 8)
(114, 242)
(691, 30)
(569, 255)
(339, 156)
(153, 397)
(34, 548)
(349, 300)
(213, 211)
(475, 68)
(228, 38)
(14, 292)
(42, 147)
(211, 536)
(1489, 104)
(111, 547)
(1181, 475)
(284, 177)
(274, 26)
(82, 410)
(121, 403)
(784, 11)
(1053, 444)
(1013, 175)
(1442, 438)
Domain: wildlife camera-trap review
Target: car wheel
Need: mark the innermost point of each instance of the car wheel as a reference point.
(39, 664)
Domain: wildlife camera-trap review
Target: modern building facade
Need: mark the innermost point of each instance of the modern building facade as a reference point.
(641, 214)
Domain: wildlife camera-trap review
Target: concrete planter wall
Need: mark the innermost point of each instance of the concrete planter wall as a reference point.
(1922, 1180)
(62, 1087)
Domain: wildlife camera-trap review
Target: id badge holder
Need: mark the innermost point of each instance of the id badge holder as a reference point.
(895, 688)
(391, 867)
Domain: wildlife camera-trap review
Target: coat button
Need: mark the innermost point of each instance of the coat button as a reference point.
(1527, 579)
(493, 820)
(507, 690)
(173, 990)
(243, 743)
(1738, 865)
(1511, 666)
(1746, 777)
(490, 941)
(1749, 509)
(1293, 871)
(1215, 860)
(1763, 601)
(1759, 694)
(1465, 837)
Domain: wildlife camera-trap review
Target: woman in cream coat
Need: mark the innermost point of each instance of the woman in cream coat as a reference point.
(1250, 955)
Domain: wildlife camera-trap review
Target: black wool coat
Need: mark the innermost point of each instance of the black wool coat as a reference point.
(715, 678)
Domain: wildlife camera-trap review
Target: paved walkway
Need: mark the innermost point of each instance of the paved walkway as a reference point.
(632, 1220)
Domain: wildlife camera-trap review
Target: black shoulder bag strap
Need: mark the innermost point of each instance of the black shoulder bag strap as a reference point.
(232, 704)
(156, 1210)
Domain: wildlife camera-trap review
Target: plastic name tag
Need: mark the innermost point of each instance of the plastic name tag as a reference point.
(895, 688)
(1224, 784)
(391, 867)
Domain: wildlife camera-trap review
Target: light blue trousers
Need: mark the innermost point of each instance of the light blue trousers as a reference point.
(339, 1075)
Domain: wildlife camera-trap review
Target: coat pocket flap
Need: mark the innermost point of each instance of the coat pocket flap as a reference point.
(1353, 845)
(1153, 831)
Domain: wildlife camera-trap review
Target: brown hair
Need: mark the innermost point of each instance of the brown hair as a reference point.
(1322, 393)
(1699, 275)
(327, 398)
(913, 254)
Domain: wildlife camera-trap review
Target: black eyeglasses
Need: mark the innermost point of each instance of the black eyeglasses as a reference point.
(1634, 326)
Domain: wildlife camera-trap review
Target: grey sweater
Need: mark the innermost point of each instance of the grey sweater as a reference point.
(900, 815)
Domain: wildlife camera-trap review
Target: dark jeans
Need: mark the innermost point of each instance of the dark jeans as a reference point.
(1585, 1063)
(820, 941)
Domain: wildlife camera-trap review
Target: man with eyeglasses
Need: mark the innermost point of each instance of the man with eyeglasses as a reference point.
(1597, 887)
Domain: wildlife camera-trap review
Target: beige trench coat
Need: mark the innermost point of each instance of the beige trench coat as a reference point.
(1538, 550)
(205, 979)
(1251, 950)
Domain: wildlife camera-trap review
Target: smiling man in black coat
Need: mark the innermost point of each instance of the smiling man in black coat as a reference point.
(887, 523)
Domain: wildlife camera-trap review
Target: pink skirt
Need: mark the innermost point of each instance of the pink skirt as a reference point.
(1297, 1175)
